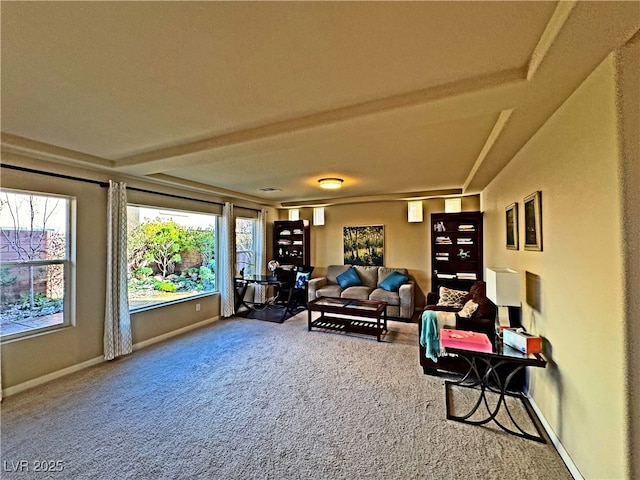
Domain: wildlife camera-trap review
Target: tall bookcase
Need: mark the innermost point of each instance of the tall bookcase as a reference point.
(456, 250)
(292, 242)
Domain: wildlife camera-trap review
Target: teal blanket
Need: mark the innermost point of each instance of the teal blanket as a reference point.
(429, 335)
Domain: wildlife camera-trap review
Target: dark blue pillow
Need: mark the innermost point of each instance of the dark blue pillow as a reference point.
(393, 281)
(350, 278)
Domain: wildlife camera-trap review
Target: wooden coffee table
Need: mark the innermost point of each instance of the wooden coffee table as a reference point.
(358, 316)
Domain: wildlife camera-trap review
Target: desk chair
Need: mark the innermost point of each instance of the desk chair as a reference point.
(293, 289)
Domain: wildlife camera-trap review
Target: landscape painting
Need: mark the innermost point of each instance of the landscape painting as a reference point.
(364, 245)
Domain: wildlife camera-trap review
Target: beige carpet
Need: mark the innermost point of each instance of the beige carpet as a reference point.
(244, 399)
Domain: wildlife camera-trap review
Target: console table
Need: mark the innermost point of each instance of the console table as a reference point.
(484, 377)
(373, 313)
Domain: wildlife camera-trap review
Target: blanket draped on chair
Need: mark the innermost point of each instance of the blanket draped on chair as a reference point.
(430, 335)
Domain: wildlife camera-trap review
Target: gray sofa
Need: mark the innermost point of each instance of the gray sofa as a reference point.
(400, 303)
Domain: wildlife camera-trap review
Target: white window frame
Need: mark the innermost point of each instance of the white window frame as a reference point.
(69, 268)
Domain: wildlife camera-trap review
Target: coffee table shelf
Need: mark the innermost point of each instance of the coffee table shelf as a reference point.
(367, 317)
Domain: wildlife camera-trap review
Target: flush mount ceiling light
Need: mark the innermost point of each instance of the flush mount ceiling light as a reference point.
(330, 183)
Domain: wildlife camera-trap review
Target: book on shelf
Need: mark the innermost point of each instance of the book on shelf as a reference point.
(465, 241)
(446, 276)
(466, 228)
(443, 241)
(285, 232)
(467, 276)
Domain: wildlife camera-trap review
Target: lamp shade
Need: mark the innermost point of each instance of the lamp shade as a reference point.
(504, 286)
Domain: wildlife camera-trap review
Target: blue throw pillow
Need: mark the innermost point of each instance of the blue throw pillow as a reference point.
(393, 281)
(350, 278)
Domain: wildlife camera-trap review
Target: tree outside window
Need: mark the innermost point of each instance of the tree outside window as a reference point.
(171, 255)
(36, 264)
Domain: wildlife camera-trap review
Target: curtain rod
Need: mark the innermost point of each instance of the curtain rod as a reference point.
(106, 184)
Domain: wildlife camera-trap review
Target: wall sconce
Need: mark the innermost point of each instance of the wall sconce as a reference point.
(318, 215)
(415, 211)
(504, 288)
(294, 214)
(330, 183)
(452, 205)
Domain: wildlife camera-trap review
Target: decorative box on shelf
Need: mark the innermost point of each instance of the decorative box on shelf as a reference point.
(465, 340)
(522, 341)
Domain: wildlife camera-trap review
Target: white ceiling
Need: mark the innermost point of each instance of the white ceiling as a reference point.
(399, 99)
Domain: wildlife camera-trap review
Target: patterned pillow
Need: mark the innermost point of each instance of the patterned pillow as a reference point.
(450, 297)
(302, 278)
(469, 309)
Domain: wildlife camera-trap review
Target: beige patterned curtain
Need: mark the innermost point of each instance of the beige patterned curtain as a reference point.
(260, 295)
(117, 324)
(227, 263)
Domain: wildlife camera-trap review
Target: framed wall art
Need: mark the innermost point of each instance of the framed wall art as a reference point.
(364, 245)
(533, 222)
(511, 214)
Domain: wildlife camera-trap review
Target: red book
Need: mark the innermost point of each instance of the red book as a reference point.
(464, 340)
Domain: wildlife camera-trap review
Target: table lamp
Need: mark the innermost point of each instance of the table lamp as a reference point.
(504, 288)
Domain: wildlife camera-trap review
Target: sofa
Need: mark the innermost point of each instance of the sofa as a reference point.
(368, 283)
(481, 320)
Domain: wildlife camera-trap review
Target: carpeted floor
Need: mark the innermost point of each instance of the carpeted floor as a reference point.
(245, 399)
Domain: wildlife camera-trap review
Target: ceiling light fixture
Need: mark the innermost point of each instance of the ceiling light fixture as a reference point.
(330, 183)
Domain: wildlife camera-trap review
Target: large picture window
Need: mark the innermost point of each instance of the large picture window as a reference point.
(171, 255)
(36, 263)
(245, 246)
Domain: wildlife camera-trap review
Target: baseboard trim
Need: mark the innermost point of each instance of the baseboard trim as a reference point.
(174, 333)
(566, 458)
(21, 387)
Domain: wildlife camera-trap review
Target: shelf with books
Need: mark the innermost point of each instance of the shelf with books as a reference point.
(456, 249)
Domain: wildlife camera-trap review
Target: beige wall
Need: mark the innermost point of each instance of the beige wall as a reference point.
(629, 113)
(31, 358)
(406, 245)
(574, 161)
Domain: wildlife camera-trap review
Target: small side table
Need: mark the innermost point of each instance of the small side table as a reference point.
(483, 376)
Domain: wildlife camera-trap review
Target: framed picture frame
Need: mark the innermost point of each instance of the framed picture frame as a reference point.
(533, 222)
(364, 245)
(511, 223)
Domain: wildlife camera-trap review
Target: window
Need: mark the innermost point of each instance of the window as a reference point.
(245, 246)
(171, 255)
(36, 263)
